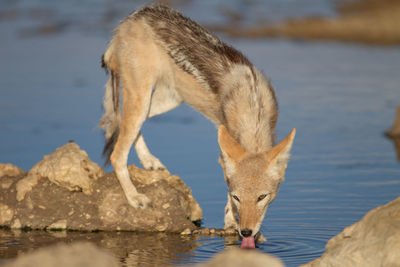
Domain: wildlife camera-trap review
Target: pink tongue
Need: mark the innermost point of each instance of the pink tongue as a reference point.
(248, 242)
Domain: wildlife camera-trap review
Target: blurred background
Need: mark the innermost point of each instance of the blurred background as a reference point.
(335, 67)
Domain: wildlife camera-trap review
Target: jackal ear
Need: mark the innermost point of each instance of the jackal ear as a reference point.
(278, 156)
(230, 148)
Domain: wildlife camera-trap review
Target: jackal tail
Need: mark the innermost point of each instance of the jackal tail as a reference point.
(111, 119)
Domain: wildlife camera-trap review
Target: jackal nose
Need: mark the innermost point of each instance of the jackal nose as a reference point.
(246, 232)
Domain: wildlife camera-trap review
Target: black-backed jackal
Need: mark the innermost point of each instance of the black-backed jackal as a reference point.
(162, 59)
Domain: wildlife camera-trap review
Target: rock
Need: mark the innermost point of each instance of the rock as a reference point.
(58, 225)
(16, 224)
(68, 167)
(62, 255)
(394, 133)
(395, 130)
(45, 199)
(8, 169)
(237, 257)
(6, 214)
(152, 177)
(396, 142)
(187, 231)
(373, 241)
(25, 185)
(214, 231)
(7, 172)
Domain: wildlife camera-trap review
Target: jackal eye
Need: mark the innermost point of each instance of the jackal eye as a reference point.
(261, 197)
(235, 197)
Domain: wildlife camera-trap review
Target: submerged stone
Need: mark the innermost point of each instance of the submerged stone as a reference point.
(242, 257)
(63, 255)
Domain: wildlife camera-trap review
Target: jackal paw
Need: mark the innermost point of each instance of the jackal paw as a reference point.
(152, 163)
(139, 201)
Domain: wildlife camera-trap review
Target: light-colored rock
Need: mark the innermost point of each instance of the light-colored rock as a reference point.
(58, 225)
(6, 182)
(149, 177)
(62, 255)
(7, 169)
(237, 257)
(68, 167)
(16, 224)
(373, 241)
(6, 214)
(196, 212)
(63, 192)
(25, 185)
(187, 231)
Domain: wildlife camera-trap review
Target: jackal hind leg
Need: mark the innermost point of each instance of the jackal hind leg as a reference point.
(135, 108)
(163, 99)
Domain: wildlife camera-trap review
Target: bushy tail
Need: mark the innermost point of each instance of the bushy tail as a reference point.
(111, 119)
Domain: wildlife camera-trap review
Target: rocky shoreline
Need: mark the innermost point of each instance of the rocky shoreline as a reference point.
(66, 190)
(373, 241)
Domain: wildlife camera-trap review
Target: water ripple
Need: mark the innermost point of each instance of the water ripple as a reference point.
(290, 246)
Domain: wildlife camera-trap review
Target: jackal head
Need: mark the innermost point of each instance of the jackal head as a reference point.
(253, 179)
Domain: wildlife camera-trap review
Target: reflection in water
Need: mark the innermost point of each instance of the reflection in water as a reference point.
(396, 142)
(132, 249)
(394, 133)
(160, 249)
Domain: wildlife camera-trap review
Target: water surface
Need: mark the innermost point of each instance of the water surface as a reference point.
(339, 97)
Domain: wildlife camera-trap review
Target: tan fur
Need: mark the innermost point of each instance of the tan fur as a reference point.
(251, 175)
(163, 59)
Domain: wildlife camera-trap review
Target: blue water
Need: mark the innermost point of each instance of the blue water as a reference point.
(339, 97)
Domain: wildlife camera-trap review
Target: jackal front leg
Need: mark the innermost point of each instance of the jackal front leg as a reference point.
(230, 220)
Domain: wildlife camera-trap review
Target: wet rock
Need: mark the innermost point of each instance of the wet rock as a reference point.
(16, 224)
(68, 167)
(62, 255)
(58, 225)
(373, 241)
(68, 191)
(187, 231)
(236, 257)
(214, 231)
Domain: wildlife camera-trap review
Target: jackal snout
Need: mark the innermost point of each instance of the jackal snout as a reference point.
(246, 232)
